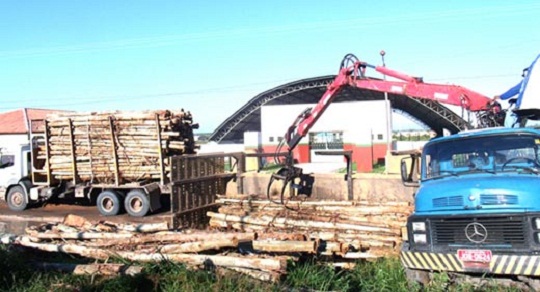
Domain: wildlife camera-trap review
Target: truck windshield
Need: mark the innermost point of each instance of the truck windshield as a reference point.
(487, 154)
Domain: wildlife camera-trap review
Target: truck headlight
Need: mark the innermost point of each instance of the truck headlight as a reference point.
(536, 223)
(420, 226)
(420, 238)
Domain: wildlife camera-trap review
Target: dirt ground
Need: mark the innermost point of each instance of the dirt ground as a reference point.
(15, 222)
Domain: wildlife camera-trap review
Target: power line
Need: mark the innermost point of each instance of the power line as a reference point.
(115, 98)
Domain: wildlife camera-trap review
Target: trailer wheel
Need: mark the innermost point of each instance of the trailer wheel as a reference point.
(16, 199)
(137, 203)
(108, 203)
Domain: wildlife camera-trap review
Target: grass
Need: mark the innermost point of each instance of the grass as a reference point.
(382, 275)
(378, 168)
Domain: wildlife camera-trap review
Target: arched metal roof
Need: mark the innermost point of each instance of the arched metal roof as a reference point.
(309, 91)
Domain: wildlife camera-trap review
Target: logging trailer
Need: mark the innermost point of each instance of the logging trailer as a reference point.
(113, 160)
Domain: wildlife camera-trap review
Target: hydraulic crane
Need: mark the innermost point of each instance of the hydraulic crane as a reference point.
(352, 72)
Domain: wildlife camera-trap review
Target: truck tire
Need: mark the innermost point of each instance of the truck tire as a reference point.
(137, 203)
(108, 203)
(16, 199)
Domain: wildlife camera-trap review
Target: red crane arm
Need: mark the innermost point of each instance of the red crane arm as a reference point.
(354, 75)
(309, 117)
(415, 87)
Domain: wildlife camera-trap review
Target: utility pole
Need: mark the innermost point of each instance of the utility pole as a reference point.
(388, 120)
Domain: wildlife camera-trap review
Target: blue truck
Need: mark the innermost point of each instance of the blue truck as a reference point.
(477, 207)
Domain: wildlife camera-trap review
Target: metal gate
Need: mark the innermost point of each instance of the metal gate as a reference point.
(196, 180)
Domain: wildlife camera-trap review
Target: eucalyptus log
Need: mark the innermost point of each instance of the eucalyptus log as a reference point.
(291, 203)
(266, 276)
(285, 246)
(80, 235)
(344, 265)
(170, 237)
(278, 221)
(191, 247)
(90, 269)
(271, 264)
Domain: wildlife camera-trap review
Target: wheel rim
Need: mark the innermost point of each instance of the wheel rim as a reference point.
(136, 204)
(17, 199)
(107, 204)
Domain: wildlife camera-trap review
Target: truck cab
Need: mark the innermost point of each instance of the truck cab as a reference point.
(477, 208)
(14, 176)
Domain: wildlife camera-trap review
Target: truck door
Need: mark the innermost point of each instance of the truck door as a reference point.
(8, 168)
(26, 161)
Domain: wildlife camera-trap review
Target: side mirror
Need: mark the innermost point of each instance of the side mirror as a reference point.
(409, 177)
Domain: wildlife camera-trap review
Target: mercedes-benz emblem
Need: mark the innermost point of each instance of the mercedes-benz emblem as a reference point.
(476, 232)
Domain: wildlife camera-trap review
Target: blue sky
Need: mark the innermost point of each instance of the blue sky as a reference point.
(211, 57)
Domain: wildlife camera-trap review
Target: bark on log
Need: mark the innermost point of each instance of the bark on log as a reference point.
(191, 247)
(76, 221)
(278, 264)
(80, 235)
(285, 222)
(91, 269)
(266, 276)
(166, 237)
(306, 203)
(144, 228)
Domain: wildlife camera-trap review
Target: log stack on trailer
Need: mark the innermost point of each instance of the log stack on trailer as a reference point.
(110, 152)
(116, 147)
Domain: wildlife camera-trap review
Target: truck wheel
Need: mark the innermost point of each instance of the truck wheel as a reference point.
(137, 203)
(108, 203)
(16, 199)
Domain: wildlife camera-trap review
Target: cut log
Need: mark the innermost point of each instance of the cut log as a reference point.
(284, 222)
(77, 221)
(278, 264)
(191, 247)
(285, 246)
(90, 269)
(166, 237)
(80, 235)
(266, 276)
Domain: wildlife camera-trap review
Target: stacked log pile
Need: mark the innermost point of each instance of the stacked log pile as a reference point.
(148, 243)
(351, 230)
(256, 237)
(109, 147)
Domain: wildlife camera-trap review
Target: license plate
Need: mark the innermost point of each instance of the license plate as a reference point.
(474, 255)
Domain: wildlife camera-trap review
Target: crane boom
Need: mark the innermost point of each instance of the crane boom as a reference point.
(354, 75)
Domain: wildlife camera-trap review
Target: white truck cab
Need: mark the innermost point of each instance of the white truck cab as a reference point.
(15, 178)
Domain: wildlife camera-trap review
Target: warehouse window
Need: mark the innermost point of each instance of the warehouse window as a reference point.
(270, 139)
(380, 137)
(326, 140)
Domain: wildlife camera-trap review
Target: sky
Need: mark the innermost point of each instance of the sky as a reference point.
(211, 57)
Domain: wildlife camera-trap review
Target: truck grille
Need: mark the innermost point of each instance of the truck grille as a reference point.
(504, 232)
(448, 201)
(498, 200)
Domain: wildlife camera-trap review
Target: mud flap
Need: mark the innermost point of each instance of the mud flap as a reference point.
(154, 195)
